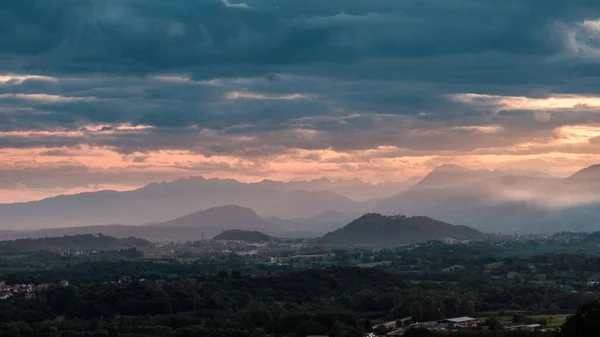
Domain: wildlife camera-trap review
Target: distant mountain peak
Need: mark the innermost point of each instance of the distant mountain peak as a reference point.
(223, 217)
(450, 168)
(590, 174)
(229, 208)
(592, 168)
(188, 179)
(451, 175)
(321, 180)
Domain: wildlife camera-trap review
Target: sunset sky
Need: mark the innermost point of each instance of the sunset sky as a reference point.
(115, 94)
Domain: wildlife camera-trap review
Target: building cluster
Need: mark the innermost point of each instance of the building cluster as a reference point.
(129, 279)
(567, 238)
(78, 252)
(525, 327)
(454, 324)
(449, 324)
(441, 325)
(25, 290)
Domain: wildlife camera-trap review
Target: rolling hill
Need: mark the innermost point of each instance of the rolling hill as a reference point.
(377, 229)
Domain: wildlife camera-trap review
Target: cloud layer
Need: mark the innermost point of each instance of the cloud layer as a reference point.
(378, 89)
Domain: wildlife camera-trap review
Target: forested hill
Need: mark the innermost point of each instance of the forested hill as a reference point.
(242, 235)
(379, 229)
(74, 242)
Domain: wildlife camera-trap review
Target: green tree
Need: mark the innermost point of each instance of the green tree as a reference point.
(368, 327)
(416, 311)
(418, 332)
(493, 323)
(585, 322)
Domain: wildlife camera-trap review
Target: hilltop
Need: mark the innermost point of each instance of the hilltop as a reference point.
(223, 217)
(374, 228)
(211, 222)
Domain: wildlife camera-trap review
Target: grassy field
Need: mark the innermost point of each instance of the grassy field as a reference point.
(553, 320)
(506, 317)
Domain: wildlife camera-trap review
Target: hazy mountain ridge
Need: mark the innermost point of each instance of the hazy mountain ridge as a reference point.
(379, 229)
(495, 201)
(505, 202)
(451, 175)
(164, 201)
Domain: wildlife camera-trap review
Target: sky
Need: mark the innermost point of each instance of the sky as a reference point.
(114, 94)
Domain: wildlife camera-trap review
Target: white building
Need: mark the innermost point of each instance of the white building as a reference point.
(460, 322)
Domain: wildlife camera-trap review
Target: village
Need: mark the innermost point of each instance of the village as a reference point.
(28, 291)
(397, 328)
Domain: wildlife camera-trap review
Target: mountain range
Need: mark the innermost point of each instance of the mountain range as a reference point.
(492, 201)
(159, 202)
(497, 202)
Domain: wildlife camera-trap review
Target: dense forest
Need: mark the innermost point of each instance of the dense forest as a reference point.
(209, 288)
(334, 302)
(80, 243)
(377, 229)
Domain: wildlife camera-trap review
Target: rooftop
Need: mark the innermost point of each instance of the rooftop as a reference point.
(459, 319)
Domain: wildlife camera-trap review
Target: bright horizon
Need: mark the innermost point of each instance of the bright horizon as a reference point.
(28, 195)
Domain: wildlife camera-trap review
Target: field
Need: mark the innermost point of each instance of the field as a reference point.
(506, 317)
(374, 264)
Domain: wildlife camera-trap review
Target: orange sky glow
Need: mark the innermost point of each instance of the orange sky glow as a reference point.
(568, 151)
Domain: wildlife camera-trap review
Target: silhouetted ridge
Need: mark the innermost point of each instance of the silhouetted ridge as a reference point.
(374, 228)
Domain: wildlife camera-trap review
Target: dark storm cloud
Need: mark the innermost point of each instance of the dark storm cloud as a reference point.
(264, 69)
(213, 40)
